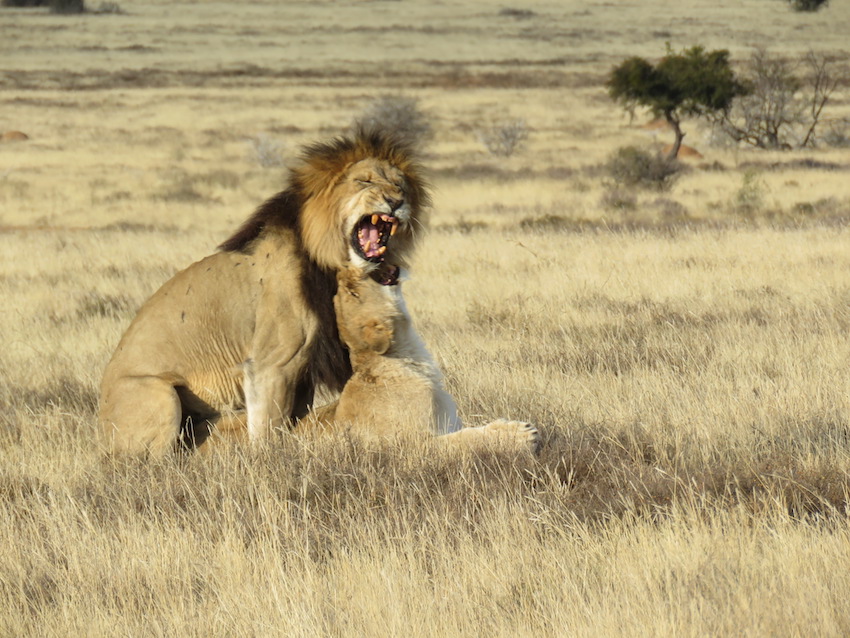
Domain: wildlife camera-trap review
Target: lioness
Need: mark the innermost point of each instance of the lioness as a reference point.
(249, 333)
(396, 387)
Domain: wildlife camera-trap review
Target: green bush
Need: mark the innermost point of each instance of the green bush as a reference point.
(632, 166)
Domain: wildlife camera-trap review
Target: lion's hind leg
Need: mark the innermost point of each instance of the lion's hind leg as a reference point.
(139, 414)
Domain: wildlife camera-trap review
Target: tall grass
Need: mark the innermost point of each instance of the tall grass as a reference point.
(692, 398)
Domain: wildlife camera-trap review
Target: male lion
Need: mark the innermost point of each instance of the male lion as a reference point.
(396, 387)
(250, 330)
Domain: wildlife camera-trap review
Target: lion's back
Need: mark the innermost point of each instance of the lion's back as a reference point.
(195, 329)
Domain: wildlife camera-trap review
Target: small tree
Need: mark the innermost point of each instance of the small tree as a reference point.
(782, 108)
(691, 83)
(505, 138)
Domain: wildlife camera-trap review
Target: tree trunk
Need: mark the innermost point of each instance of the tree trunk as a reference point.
(677, 144)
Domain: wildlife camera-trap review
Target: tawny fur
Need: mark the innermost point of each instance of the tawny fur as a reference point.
(396, 386)
(685, 152)
(240, 340)
(14, 136)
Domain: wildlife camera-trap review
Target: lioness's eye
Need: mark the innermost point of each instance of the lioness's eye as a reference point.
(363, 181)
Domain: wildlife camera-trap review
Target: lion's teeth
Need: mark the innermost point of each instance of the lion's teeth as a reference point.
(394, 228)
(367, 246)
(374, 219)
(382, 250)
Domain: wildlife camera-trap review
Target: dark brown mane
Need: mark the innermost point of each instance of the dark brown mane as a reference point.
(282, 210)
(329, 361)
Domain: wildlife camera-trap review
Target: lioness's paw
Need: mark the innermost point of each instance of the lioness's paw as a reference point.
(519, 432)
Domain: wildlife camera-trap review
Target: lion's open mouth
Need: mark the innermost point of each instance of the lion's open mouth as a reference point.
(371, 234)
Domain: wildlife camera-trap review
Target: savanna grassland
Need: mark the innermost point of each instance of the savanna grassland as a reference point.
(685, 353)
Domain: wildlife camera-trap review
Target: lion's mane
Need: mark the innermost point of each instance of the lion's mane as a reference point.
(308, 205)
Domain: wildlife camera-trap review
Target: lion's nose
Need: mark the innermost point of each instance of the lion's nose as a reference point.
(393, 203)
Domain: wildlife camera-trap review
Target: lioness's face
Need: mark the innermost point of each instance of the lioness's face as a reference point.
(378, 218)
(365, 311)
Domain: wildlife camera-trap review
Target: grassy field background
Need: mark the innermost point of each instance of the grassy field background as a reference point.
(687, 360)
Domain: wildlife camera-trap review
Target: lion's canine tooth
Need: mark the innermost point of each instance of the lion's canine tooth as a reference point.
(394, 227)
(367, 246)
(382, 250)
(374, 218)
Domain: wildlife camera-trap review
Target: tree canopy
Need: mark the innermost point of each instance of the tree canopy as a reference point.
(694, 82)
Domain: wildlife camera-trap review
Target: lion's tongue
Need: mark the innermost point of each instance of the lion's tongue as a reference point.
(370, 240)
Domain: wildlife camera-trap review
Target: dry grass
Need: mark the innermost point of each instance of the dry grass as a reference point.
(686, 355)
(692, 392)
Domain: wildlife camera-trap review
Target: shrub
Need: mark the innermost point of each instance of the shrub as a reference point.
(519, 14)
(808, 5)
(632, 166)
(750, 196)
(505, 138)
(670, 209)
(398, 115)
(266, 151)
(179, 186)
(109, 7)
(67, 6)
(619, 199)
(838, 134)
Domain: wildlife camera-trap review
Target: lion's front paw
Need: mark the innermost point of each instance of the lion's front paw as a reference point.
(519, 433)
